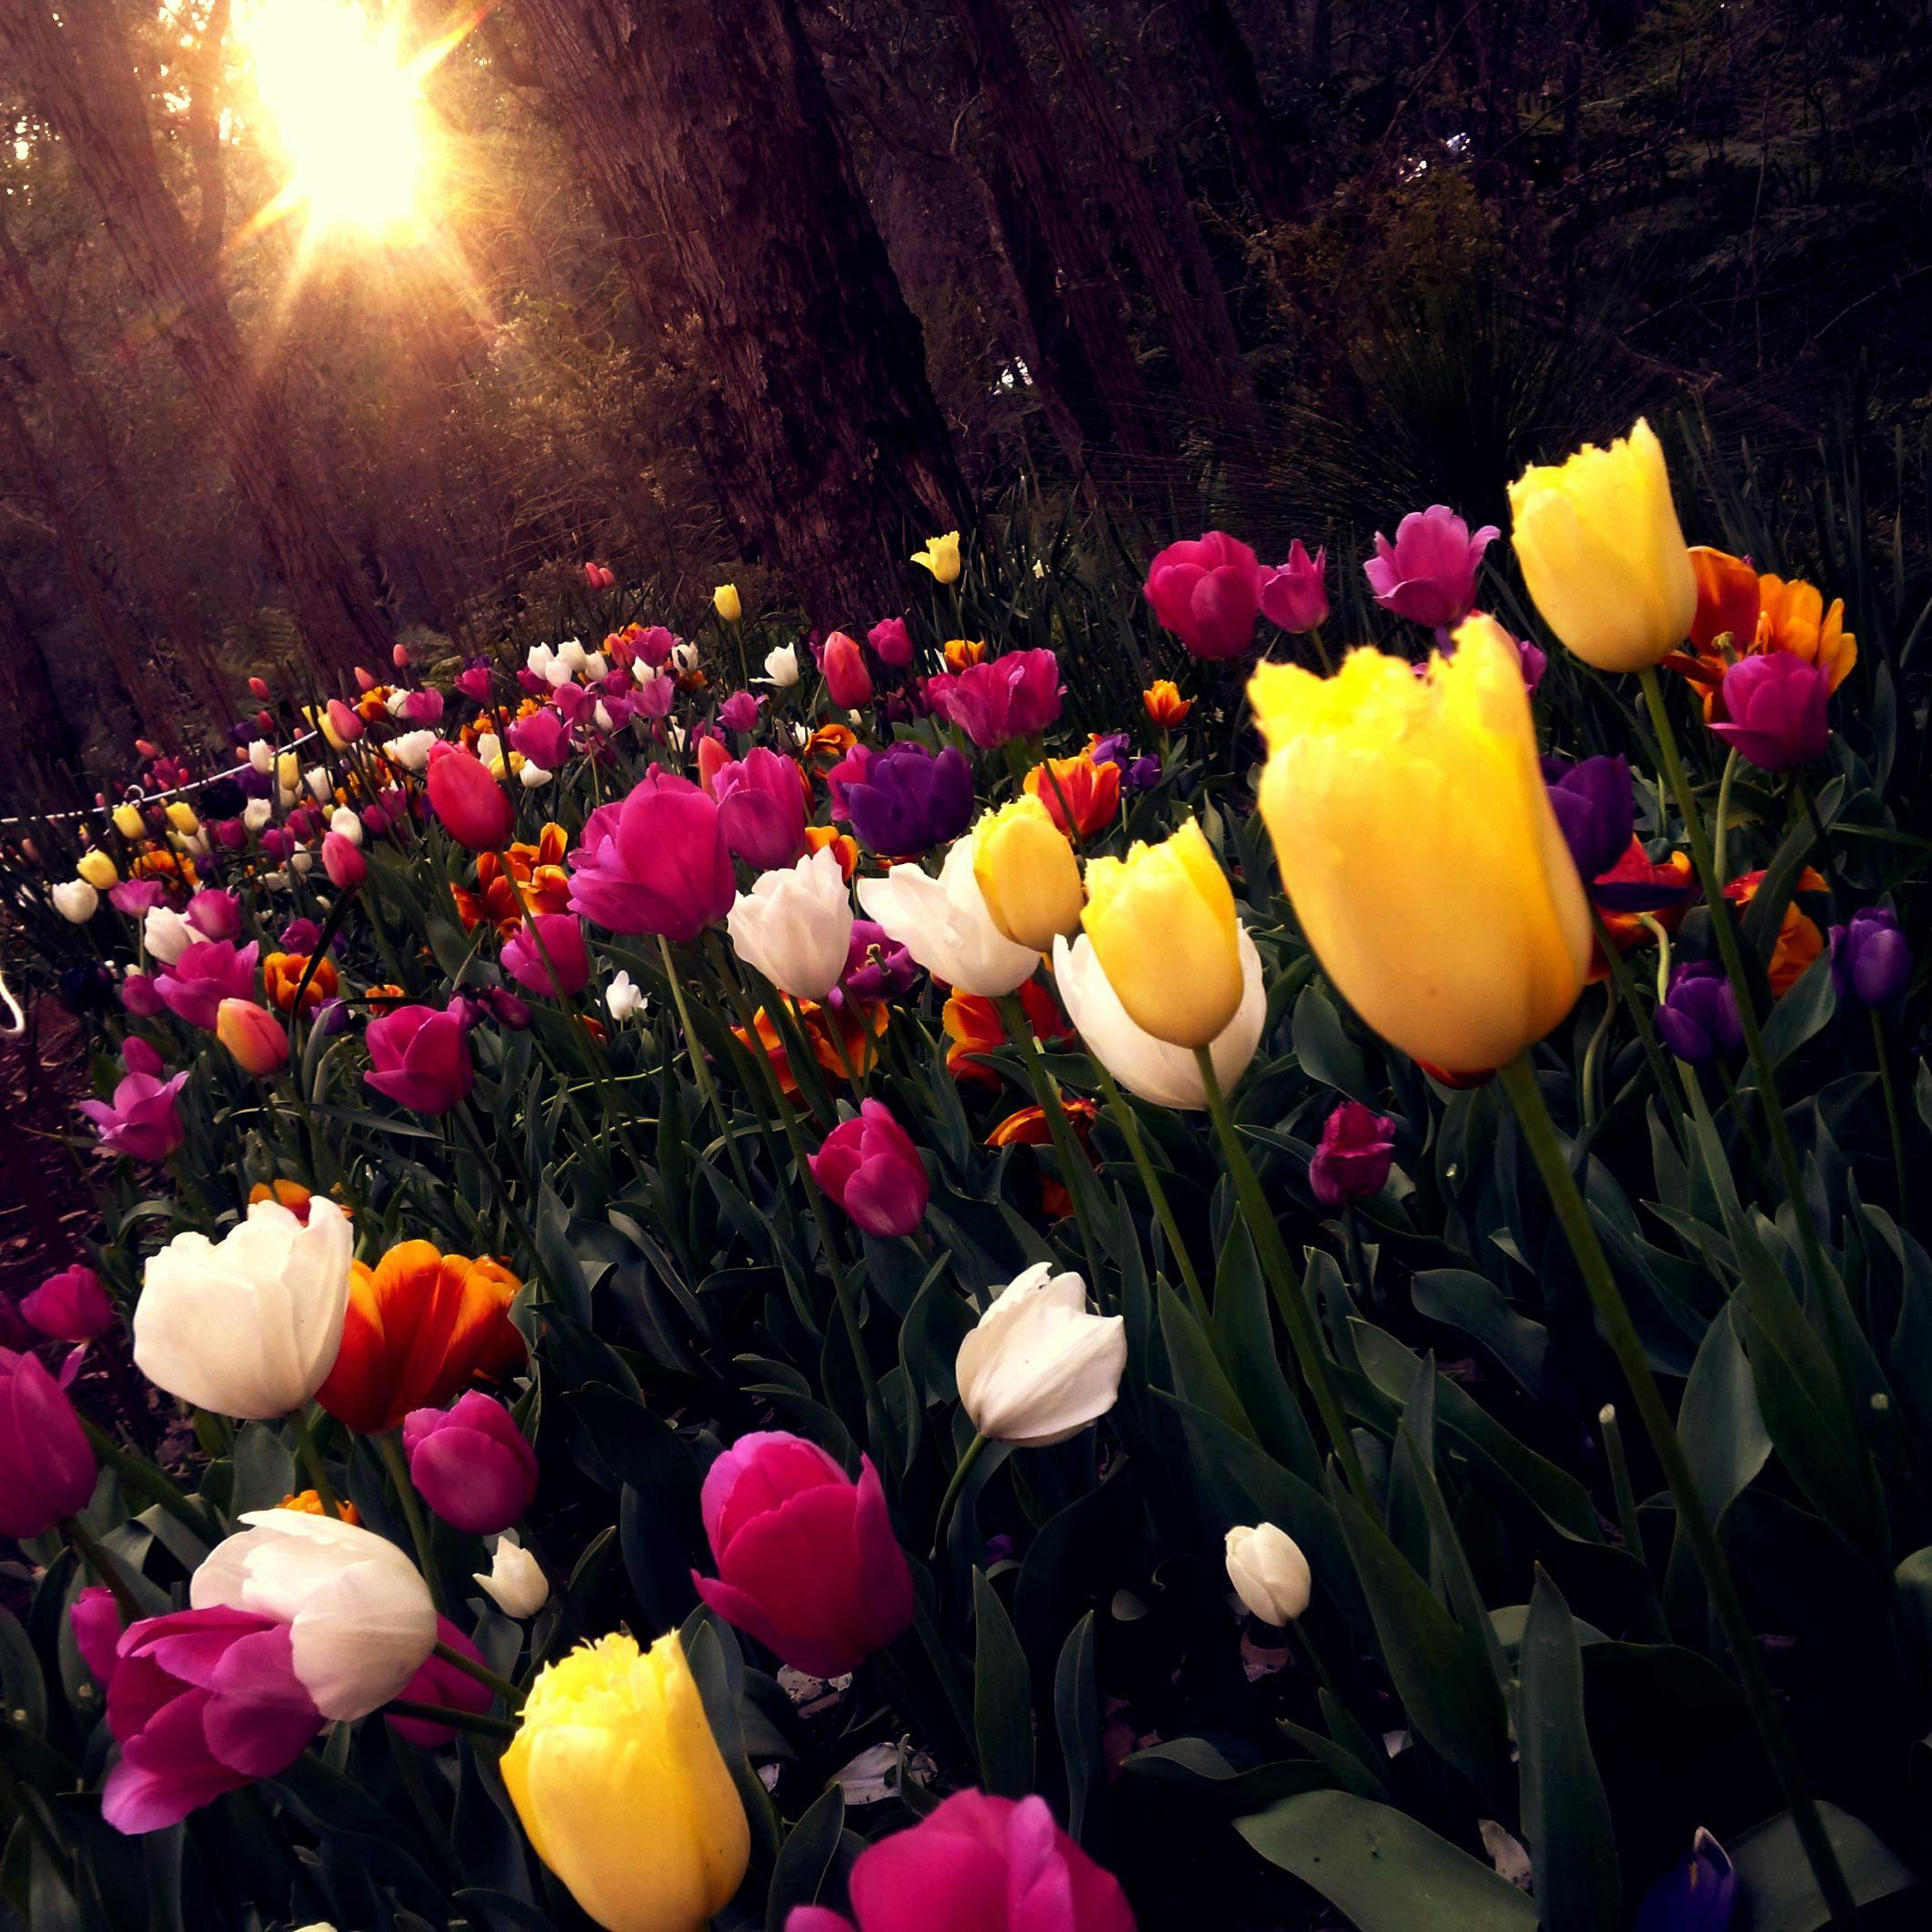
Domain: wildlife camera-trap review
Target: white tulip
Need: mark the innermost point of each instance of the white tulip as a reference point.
(397, 703)
(684, 657)
(676, 736)
(795, 925)
(538, 660)
(570, 655)
(321, 787)
(1039, 1368)
(301, 863)
(596, 667)
(622, 999)
(359, 1612)
(75, 900)
(167, 935)
(257, 814)
(515, 1580)
(1269, 1573)
(261, 755)
(346, 824)
(533, 777)
(250, 1325)
(781, 667)
(489, 748)
(944, 924)
(411, 750)
(276, 882)
(600, 716)
(1166, 1076)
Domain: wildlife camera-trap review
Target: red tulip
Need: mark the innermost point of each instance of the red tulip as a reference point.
(342, 859)
(475, 810)
(848, 679)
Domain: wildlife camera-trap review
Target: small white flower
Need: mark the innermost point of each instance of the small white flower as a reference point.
(676, 736)
(321, 787)
(623, 999)
(600, 718)
(596, 667)
(1038, 1368)
(489, 748)
(167, 935)
(261, 755)
(276, 881)
(781, 667)
(538, 660)
(685, 657)
(346, 824)
(411, 750)
(397, 703)
(802, 735)
(515, 1580)
(302, 862)
(1269, 1573)
(257, 814)
(75, 900)
(795, 925)
(534, 776)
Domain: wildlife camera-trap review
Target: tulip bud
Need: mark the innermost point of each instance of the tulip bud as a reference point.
(75, 900)
(475, 810)
(181, 816)
(1871, 964)
(259, 688)
(514, 1581)
(1353, 1157)
(1269, 1573)
(70, 1306)
(848, 679)
(1027, 874)
(346, 866)
(128, 821)
(725, 602)
(97, 868)
(47, 1469)
(869, 1166)
(471, 1464)
(253, 1034)
(399, 656)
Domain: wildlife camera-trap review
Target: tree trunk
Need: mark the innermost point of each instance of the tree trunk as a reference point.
(1235, 91)
(1073, 298)
(708, 139)
(1219, 390)
(80, 72)
(37, 739)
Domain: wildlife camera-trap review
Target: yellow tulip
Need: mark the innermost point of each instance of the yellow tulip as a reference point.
(1602, 554)
(941, 557)
(1162, 925)
(1418, 844)
(289, 771)
(727, 603)
(181, 816)
(128, 821)
(1027, 874)
(619, 1784)
(97, 868)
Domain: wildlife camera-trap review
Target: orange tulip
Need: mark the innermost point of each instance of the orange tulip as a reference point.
(421, 1326)
(1793, 618)
(1166, 708)
(538, 869)
(291, 1194)
(1727, 599)
(1028, 1126)
(829, 744)
(374, 702)
(974, 1031)
(282, 973)
(1090, 792)
(844, 848)
(1799, 941)
(308, 1504)
(963, 653)
(859, 1024)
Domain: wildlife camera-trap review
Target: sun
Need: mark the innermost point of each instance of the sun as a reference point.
(345, 106)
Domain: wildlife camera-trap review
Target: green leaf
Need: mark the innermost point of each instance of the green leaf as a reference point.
(1242, 1330)
(1765, 913)
(1777, 1891)
(1077, 1717)
(1566, 1814)
(1002, 1708)
(805, 1857)
(1473, 1304)
(1382, 1869)
(1198, 1377)
(1327, 1053)
(1804, 1011)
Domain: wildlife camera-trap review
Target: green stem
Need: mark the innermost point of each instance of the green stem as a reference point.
(482, 1673)
(1592, 1062)
(95, 1556)
(702, 1072)
(1519, 1081)
(478, 1722)
(155, 1483)
(1721, 837)
(1130, 1127)
(466, 1125)
(1296, 1315)
(389, 1446)
(1626, 1507)
(1073, 1163)
(1620, 978)
(963, 1469)
(311, 1456)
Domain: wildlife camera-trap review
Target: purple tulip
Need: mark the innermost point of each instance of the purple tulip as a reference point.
(562, 939)
(1697, 1019)
(1698, 1894)
(1594, 810)
(910, 800)
(202, 1702)
(47, 1469)
(1428, 574)
(891, 642)
(1295, 594)
(1208, 593)
(215, 914)
(194, 987)
(656, 862)
(471, 1464)
(761, 803)
(440, 1683)
(419, 1059)
(506, 1009)
(543, 738)
(1352, 1160)
(1016, 696)
(1112, 747)
(95, 1619)
(1533, 661)
(70, 1306)
(877, 967)
(1871, 965)
(142, 1120)
(1772, 708)
(1142, 773)
(869, 1166)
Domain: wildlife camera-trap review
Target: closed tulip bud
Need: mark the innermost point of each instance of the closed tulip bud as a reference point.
(97, 868)
(1038, 1367)
(265, 720)
(514, 1581)
(340, 724)
(1603, 553)
(795, 926)
(1871, 964)
(1166, 709)
(561, 952)
(474, 809)
(471, 1464)
(128, 821)
(1027, 874)
(941, 557)
(400, 656)
(891, 642)
(346, 866)
(848, 679)
(1417, 842)
(871, 1167)
(365, 679)
(70, 1306)
(726, 602)
(1353, 1155)
(95, 1619)
(75, 900)
(259, 688)
(612, 1739)
(1163, 929)
(1269, 1573)
(1771, 708)
(47, 1469)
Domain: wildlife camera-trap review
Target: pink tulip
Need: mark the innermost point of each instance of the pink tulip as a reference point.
(139, 998)
(202, 1702)
(471, 1464)
(143, 1120)
(215, 914)
(138, 1057)
(440, 1683)
(136, 897)
(848, 677)
(258, 688)
(761, 803)
(365, 679)
(1016, 696)
(473, 680)
(96, 1620)
(807, 1561)
(400, 656)
(474, 809)
(869, 1166)
(655, 862)
(345, 723)
(1428, 574)
(739, 711)
(230, 834)
(1295, 594)
(70, 1306)
(47, 1469)
(1000, 1864)
(423, 706)
(258, 1041)
(656, 645)
(891, 642)
(1772, 706)
(342, 859)
(1353, 1155)
(543, 738)
(194, 987)
(562, 947)
(419, 1059)
(1207, 592)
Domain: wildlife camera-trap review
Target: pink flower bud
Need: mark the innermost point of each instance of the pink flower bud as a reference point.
(257, 687)
(70, 1306)
(471, 1464)
(869, 1166)
(399, 656)
(848, 677)
(342, 859)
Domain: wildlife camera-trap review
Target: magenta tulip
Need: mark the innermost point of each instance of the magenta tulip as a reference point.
(201, 1702)
(70, 1306)
(471, 1464)
(138, 1057)
(891, 642)
(1772, 706)
(96, 1620)
(419, 1059)
(761, 805)
(142, 1120)
(194, 987)
(345, 724)
(739, 711)
(1428, 574)
(869, 1166)
(441, 1683)
(656, 863)
(47, 1469)
(475, 810)
(807, 1561)
(342, 859)
(139, 998)
(1295, 594)
(215, 914)
(1016, 696)
(543, 738)
(998, 1865)
(423, 706)
(1208, 593)
(848, 677)
(558, 943)
(136, 897)
(1353, 1155)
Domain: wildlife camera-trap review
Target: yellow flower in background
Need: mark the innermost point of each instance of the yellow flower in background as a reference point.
(97, 868)
(963, 653)
(622, 1790)
(181, 816)
(941, 557)
(289, 771)
(128, 821)
(1027, 874)
(727, 603)
(1602, 552)
(1162, 925)
(1418, 844)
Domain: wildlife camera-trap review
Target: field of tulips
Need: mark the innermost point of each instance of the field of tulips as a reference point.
(1107, 1258)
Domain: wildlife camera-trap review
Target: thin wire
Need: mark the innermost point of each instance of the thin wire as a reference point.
(149, 798)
